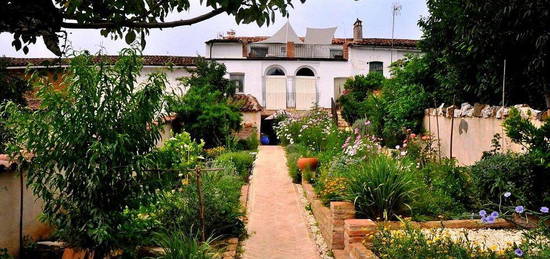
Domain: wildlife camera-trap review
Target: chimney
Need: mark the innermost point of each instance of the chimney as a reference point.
(231, 34)
(357, 30)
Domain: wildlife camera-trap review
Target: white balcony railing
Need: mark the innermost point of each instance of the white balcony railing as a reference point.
(300, 50)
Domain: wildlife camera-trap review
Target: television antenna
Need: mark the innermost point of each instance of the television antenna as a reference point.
(396, 10)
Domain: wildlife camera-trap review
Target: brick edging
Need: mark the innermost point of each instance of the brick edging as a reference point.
(343, 231)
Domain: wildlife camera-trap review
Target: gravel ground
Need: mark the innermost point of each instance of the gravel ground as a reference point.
(494, 239)
(324, 252)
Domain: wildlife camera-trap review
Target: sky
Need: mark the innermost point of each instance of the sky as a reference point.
(189, 40)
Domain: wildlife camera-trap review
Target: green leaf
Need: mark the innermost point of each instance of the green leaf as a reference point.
(17, 44)
(130, 37)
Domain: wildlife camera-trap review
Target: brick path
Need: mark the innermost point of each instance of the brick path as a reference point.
(276, 222)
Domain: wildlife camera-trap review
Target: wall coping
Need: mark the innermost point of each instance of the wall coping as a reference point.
(486, 111)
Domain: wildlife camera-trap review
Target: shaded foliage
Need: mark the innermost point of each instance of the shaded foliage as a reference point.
(467, 41)
(12, 88)
(205, 110)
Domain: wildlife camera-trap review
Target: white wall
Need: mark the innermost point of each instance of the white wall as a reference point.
(172, 76)
(325, 71)
(254, 71)
(360, 56)
(225, 50)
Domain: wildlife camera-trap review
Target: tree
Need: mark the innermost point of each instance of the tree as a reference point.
(206, 110)
(12, 88)
(467, 41)
(90, 142)
(356, 91)
(28, 19)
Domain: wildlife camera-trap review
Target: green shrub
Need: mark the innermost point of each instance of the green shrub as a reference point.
(178, 209)
(293, 153)
(205, 110)
(520, 174)
(358, 88)
(250, 143)
(242, 161)
(535, 139)
(179, 245)
(447, 190)
(4, 254)
(404, 108)
(380, 187)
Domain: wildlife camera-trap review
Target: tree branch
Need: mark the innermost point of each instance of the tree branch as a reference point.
(151, 25)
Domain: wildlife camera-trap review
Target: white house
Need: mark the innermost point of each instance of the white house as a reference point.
(280, 72)
(285, 71)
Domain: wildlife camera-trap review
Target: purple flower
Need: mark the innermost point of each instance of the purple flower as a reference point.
(520, 209)
(494, 214)
(544, 209)
(491, 219)
(518, 252)
(482, 213)
(507, 194)
(483, 220)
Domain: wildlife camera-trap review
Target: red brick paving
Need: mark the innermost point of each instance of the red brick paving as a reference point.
(276, 222)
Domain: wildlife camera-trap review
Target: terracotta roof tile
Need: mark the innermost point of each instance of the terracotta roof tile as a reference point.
(247, 103)
(382, 42)
(147, 61)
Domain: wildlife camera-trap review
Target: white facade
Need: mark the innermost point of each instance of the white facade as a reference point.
(326, 71)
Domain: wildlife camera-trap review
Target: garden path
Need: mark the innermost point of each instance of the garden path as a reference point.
(276, 219)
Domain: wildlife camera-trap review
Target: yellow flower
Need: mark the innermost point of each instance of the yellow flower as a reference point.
(185, 181)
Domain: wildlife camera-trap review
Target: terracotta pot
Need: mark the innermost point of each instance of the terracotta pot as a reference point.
(307, 163)
(73, 253)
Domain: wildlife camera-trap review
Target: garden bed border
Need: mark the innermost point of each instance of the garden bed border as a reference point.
(342, 231)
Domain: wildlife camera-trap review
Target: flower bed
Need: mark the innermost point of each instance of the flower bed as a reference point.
(410, 181)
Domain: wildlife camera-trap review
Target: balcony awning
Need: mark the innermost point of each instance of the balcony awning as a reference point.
(319, 35)
(284, 35)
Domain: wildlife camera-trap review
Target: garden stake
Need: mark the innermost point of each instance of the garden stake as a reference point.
(201, 203)
(21, 214)
(198, 175)
(438, 139)
(452, 128)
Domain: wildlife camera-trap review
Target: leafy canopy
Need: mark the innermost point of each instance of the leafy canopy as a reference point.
(467, 41)
(119, 18)
(206, 110)
(90, 141)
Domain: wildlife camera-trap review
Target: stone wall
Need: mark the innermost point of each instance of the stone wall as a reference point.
(472, 128)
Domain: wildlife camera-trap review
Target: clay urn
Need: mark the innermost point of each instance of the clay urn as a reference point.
(307, 163)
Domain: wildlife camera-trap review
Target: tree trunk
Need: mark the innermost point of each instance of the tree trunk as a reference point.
(547, 99)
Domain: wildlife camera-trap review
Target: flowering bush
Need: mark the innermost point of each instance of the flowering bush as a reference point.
(332, 189)
(520, 174)
(315, 130)
(434, 243)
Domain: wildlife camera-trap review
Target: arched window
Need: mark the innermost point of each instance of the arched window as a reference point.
(305, 72)
(275, 71)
